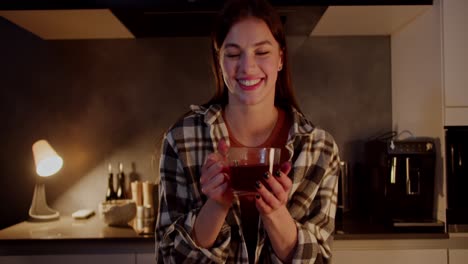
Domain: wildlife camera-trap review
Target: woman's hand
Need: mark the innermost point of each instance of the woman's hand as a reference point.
(277, 220)
(214, 180)
(280, 186)
(215, 185)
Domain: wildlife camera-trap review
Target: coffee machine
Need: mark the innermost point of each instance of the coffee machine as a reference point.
(456, 151)
(401, 182)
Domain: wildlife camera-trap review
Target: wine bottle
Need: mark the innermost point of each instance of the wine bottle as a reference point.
(110, 194)
(121, 193)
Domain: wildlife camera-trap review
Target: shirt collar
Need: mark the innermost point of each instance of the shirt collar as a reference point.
(211, 112)
(301, 126)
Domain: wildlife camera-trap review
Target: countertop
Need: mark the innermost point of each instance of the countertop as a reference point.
(361, 226)
(68, 235)
(92, 235)
(67, 228)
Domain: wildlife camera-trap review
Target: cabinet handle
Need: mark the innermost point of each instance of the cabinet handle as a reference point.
(460, 163)
(393, 171)
(452, 159)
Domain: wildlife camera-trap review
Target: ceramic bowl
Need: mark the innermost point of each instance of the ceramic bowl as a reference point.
(117, 212)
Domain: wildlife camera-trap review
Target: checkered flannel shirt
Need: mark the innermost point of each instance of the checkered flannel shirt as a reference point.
(312, 200)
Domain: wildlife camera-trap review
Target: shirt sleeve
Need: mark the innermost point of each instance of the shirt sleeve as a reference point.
(314, 199)
(178, 210)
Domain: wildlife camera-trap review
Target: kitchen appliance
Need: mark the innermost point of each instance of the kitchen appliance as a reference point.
(343, 188)
(401, 175)
(343, 205)
(456, 147)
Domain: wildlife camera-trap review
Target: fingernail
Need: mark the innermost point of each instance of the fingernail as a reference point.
(266, 175)
(257, 185)
(277, 173)
(286, 166)
(257, 196)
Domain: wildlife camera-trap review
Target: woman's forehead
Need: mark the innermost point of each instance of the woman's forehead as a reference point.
(250, 31)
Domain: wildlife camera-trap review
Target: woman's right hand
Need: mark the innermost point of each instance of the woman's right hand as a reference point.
(214, 181)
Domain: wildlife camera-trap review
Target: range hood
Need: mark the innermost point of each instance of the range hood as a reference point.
(75, 19)
(169, 22)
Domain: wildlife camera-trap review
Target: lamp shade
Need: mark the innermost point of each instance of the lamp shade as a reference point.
(46, 159)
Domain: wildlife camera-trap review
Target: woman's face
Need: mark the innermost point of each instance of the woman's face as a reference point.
(250, 59)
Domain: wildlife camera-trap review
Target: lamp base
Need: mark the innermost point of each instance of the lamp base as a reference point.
(39, 210)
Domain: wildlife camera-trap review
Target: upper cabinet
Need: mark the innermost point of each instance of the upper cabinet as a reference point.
(368, 20)
(455, 61)
(104, 19)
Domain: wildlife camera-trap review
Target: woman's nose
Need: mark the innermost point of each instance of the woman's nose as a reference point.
(247, 63)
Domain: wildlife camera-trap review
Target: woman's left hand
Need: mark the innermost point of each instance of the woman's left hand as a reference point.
(280, 185)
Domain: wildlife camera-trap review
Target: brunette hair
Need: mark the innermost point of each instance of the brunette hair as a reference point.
(233, 12)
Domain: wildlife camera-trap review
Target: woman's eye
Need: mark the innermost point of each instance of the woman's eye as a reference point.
(262, 53)
(232, 55)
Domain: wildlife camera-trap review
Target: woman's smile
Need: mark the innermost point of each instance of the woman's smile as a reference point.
(250, 84)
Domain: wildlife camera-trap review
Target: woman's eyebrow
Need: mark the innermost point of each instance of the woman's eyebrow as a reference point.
(260, 43)
(231, 45)
(264, 42)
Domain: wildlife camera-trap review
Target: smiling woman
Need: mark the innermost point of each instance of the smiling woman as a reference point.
(250, 59)
(290, 216)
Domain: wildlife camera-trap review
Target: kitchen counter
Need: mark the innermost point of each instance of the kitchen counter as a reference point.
(92, 236)
(67, 228)
(362, 226)
(68, 235)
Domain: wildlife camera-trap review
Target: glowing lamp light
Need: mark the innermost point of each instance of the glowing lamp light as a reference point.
(47, 163)
(46, 159)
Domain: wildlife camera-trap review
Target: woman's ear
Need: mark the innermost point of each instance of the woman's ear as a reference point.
(280, 64)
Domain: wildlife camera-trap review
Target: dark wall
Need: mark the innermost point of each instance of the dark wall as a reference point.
(105, 101)
(344, 85)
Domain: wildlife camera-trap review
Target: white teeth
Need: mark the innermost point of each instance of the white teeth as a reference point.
(249, 82)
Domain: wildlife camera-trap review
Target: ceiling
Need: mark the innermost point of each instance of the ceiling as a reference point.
(98, 19)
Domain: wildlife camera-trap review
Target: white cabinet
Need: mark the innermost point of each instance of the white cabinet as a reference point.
(423, 256)
(455, 61)
(71, 259)
(458, 256)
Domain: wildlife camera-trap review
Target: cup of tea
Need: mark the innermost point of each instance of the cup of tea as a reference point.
(248, 165)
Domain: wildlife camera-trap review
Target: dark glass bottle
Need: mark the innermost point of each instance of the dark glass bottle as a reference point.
(121, 193)
(110, 194)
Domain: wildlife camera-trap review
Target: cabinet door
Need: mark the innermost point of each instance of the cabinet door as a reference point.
(420, 256)
(71, 259)
(458, 256)
(144, 258)
(455, 36)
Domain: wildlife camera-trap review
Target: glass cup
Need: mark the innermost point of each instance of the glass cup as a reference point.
(247, 165)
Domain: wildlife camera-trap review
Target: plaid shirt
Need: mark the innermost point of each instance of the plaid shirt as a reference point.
(312, 200)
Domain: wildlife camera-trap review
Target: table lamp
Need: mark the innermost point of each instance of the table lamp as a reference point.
(47, 163)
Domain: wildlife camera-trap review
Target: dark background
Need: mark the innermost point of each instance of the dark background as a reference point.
(105, 101)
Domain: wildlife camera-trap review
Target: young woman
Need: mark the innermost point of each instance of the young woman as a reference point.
(200, 220)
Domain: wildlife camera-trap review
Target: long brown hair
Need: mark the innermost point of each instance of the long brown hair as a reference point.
(233, 12)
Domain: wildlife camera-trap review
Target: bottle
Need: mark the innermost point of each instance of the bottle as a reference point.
(121, 192)
(110, 194)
